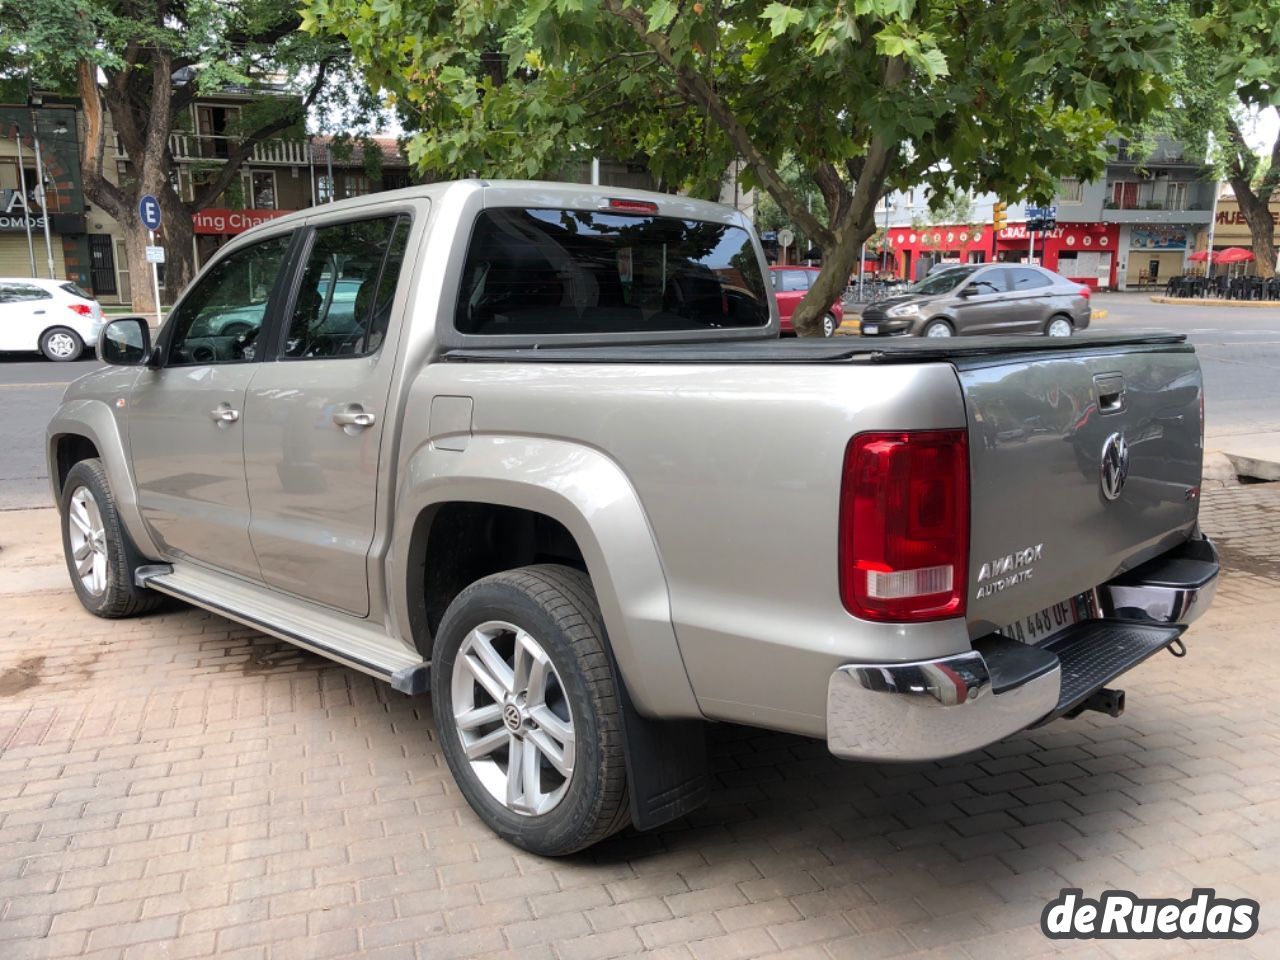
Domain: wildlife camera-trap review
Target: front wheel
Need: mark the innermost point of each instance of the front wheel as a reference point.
(1058, 327)
(100, 558)
(61, 344)
(527, 708)
(938, 328)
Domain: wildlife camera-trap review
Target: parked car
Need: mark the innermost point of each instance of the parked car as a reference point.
(790, 284)
(590, 504)
(53, 317)
(983, 299)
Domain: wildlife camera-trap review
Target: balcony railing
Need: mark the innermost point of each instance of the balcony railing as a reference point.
(190, 148)
(1145, 199)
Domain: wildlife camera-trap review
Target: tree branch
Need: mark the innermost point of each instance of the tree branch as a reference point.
(244, 150)
(104, 193)
(695, 87)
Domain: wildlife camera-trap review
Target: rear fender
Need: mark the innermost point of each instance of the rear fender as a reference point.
(590, 495)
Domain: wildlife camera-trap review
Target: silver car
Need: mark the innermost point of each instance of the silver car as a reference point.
(983, 299)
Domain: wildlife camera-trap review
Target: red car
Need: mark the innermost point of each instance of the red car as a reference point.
(790, 284)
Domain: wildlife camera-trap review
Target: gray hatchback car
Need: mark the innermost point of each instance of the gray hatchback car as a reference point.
(983, 299)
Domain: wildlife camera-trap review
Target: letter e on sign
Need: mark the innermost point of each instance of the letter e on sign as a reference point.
(149, 212)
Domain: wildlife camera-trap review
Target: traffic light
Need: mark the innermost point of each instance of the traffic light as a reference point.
(999, 216)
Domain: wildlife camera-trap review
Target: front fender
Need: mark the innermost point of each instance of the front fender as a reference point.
(93, 419)
(591, 496)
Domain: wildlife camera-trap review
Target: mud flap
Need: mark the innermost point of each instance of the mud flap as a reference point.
(667, 772)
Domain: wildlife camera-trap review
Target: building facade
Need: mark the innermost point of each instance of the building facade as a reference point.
(1135, 227)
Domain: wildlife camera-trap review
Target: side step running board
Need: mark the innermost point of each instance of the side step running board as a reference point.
(412, 679)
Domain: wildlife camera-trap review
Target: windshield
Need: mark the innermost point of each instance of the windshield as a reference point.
(943, 282)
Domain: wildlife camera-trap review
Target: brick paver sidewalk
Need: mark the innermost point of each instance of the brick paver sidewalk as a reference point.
(177, 786)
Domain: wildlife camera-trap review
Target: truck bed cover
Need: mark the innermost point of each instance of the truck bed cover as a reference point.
(806, 350)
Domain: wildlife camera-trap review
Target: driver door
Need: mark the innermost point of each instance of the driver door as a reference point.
(185, 430)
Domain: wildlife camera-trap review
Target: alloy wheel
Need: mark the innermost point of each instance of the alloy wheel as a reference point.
(938, 330)
(513, 719)
(88, 540)
(1059, 328)
(61, 345)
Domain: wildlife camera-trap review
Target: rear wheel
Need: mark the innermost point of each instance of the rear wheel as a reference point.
(100, 558)
(527, 709)
(829, 325)
(938, 328)
(61, 344)
(1058, 327)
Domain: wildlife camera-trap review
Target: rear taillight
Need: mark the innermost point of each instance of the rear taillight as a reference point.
(81, 308)
(904, 525)
(1086, 291)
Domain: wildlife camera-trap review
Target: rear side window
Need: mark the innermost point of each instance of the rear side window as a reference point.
(546, 271)
(343, 305)
(75, 290)
(791, 281)
(1024, 279)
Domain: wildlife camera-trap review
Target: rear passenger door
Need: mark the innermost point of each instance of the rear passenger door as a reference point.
(790, 287)
(316, 412)
(1028, 300)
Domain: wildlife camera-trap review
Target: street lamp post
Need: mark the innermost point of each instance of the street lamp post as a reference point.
(44, 196)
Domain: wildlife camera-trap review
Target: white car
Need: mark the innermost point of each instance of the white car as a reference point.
(54, 317)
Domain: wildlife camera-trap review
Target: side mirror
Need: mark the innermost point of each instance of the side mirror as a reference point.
(966, 291)
(125, 342)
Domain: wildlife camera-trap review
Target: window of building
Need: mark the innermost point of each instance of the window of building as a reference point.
(394, 179)
(354, 185)
(1178, 195)
(262, 190)
(1070, 190)
(215, 126)
(324, 188)
(1124, 194)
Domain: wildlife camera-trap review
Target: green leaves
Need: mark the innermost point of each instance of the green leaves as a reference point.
(781, 17)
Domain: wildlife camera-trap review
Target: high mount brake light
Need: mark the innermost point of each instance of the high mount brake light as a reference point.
(904, 525)
(634, 206)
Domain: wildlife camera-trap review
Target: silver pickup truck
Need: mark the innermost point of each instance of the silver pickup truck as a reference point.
(538, 450)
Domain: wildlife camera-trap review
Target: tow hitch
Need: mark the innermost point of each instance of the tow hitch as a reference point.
(1106, 700)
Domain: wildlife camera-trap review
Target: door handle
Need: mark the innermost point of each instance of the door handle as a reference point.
(223, 413)
(354, 416)
(39, 313)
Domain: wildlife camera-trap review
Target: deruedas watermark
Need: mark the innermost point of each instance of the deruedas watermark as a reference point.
(1121, 915)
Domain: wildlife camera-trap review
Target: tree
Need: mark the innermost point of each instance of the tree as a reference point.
(144, 62)
(868, 95)
(1226, 66)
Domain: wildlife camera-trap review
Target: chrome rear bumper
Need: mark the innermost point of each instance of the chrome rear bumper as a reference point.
(939, 708)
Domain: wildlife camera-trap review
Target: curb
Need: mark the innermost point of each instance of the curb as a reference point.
(1099, 314)
(1213, 302)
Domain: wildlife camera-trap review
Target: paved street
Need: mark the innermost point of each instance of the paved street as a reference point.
(30, 388)
(180, 786)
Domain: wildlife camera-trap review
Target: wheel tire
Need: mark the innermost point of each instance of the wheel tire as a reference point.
(61, 344)
(938, 328)
(119, 595)
(1058, 323)
(556, 606)
(829, 325)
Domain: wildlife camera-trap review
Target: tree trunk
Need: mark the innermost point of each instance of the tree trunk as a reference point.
(1261, 227)
(135, 250)
(837, 266)
(179, 251)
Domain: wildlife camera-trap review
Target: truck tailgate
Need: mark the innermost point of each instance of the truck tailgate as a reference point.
(1082, 465)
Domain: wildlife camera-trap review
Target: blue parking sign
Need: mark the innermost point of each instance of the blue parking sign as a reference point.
(149, 212)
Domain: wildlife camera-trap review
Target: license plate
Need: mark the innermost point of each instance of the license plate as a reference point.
(1045, 623)
(870, 328)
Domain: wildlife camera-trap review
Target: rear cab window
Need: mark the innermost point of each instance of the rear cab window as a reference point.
(539, 271)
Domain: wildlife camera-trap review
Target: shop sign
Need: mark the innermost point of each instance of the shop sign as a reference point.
(1157, 238)
(229, 222)
(14, 215)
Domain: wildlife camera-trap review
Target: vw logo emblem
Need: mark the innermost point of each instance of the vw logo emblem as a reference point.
(1115, 465)
(511, 716)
